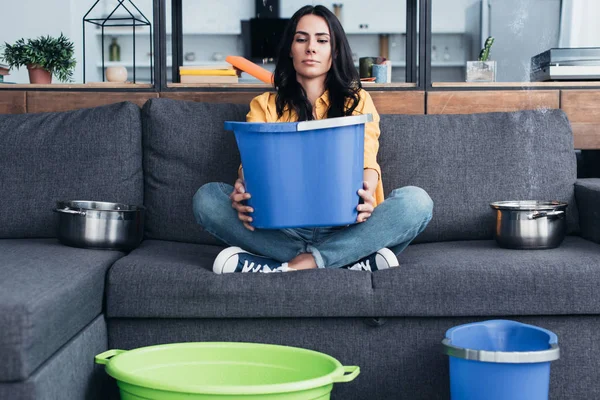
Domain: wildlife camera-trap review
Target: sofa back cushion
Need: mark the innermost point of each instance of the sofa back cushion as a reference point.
(185, 146)
(467, 161)
(88, 154)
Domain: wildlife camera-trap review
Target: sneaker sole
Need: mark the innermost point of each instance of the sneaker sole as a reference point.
(389, 257)
(222, 258)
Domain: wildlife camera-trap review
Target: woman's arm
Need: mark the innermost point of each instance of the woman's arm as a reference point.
(372, 173)
(371, 176)
(367, 194)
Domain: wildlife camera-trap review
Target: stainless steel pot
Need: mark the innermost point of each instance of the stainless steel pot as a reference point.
(530, 224)
(100, 225)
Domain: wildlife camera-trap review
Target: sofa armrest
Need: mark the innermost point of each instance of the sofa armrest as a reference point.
(587, 195)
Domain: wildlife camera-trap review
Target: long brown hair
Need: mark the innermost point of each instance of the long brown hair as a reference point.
(342, 79)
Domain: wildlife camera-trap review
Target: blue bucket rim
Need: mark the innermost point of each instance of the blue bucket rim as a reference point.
(505, 357)
(271, 127)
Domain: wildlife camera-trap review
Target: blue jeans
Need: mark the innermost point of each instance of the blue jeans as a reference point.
(393, 224)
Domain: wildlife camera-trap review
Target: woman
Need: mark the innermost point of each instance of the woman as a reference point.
(315, 78)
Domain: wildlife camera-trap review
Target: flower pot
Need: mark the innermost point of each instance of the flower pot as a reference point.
(39, 75)
(481, 71)
(116, 74)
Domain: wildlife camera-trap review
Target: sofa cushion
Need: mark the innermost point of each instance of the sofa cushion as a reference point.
(185, 146)
(466, 162)
(478, 278)
(464, 278)
(587, 192)
(163, 279)
(70, 373)
(88, 154)
(48, 293)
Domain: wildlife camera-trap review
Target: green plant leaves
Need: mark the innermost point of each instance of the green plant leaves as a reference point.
(484, 55)
(52, 54)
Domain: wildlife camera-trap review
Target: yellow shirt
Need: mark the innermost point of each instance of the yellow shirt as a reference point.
(263, 109)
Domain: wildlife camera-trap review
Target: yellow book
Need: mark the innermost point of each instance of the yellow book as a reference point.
(208, 72)
(208, 79)
(207, 66)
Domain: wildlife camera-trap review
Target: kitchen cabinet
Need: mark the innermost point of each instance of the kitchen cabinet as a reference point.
(376, 16)
(450, 16)
(214, 17)
(287, 8)
(360, 17)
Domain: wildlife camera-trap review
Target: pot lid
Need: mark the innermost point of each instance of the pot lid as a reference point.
(528, 205)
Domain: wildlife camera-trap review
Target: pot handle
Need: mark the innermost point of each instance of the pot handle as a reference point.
(103, 358)
(69, 211)
(352, 372)
(541, 214)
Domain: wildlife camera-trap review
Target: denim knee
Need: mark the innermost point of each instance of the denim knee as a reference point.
(205, 202)
(417, 199)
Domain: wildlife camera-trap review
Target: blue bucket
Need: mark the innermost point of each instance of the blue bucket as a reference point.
(302, 174)
(500, 360)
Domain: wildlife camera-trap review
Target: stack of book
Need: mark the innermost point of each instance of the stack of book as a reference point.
(208, 74)
(3, 71)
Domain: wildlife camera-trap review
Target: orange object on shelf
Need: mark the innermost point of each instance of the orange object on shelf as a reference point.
(251, 68)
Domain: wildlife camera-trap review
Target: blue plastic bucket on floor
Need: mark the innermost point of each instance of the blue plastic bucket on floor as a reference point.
(302, 174)
(500, 360)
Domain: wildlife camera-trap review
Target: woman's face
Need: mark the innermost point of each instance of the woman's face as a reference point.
(311, 47)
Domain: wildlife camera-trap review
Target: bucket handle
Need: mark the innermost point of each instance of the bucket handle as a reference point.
(103, 358)
(352, 372)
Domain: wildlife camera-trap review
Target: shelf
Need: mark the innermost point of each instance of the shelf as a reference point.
(395, 64)
(263, 85)
(141, 31)
(145, 64)
(125, 32)
(374, 33)
(122, 64)
(448, 33)
(448, 64)
(452, 64)
(119, 32)
(516, 84)
(91, 85)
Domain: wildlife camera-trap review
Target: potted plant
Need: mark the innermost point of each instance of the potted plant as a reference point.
(43, 57)
(482, 70)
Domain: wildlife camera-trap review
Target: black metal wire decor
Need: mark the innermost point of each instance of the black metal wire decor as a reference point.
(112, 20)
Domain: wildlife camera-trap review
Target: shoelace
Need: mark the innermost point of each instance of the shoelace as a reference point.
(362, 266)
(252, 267)
(282, 268)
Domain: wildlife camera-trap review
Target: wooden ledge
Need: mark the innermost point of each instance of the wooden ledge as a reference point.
(515, 84)
(366, 86)
(66, 86)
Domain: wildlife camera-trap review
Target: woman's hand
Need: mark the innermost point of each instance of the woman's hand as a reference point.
(237, 196)
(365, 209)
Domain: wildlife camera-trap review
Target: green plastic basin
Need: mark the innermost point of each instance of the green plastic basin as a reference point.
(224, 371)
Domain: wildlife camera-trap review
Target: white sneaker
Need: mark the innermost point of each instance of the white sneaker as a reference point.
(382, 259)
(234, 259)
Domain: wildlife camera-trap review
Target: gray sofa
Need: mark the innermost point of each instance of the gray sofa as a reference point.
(60, 306)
